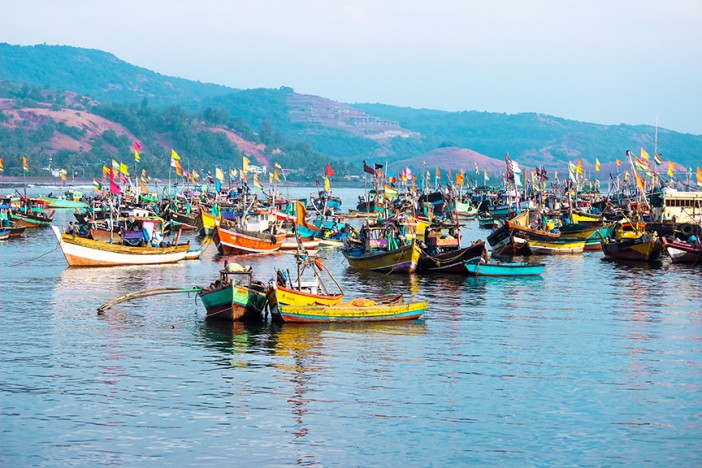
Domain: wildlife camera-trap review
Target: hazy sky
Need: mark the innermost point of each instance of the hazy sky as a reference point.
(602, 61)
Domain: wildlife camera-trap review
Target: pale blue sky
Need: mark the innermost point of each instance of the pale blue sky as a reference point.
(601, 61)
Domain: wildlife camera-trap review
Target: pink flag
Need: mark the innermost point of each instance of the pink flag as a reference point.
(114, 188)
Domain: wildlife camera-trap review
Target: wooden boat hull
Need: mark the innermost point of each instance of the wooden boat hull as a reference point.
(206, 223)
(31, 220)
(60, 203)
(183, 221)
(346, 312)
(240, 242)
(561, 247)
(402, 260)
(233, 302)
(643, 248)
(4, 235)
(91, 253)
(452, 261)
(15, 231)
(291, 244)
(682, 252)
(504, 269)
(503, 243)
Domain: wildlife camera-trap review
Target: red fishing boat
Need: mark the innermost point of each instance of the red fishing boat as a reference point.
(235, 241)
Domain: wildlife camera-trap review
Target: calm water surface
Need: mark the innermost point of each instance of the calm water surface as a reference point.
(595, 363)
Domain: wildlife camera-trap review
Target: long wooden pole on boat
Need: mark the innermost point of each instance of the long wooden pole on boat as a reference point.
(144, 293)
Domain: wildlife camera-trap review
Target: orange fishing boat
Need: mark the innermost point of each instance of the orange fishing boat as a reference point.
(235, 241)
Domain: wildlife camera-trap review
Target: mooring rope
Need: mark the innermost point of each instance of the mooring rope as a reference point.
(145, 293)
(35, 258)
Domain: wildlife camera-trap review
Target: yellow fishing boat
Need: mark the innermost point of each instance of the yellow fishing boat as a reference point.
(358, 310)
(557, 247)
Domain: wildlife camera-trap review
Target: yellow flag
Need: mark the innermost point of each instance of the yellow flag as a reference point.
(619, 162)
(671, 166)
(275, 175)
(219, 174)
(179, 169)
(137, 158)
(699, 177)
(245, 164)
(256, 183)
(639, 182)
(270, 177)
(579, 169)
(644, 155)
(459, 179)
(597, 165)
(327, 185)
(174, 155)
(25, 164)
(124, 169)
(2, 168)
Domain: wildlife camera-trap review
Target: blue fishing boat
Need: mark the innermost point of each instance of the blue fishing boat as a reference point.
(493, 268)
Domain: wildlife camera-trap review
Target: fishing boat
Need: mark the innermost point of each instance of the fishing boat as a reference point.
(556, 247)
(291, 244)
(71, 200)
(15, 231)
(32, 219)
(4, 235)
(503, 242)
(234, 296)
(302, 291)
(683, 252)
(494, 268)
(486, 221)
(443, 252)
(80, 251)
(401, 260)
(631, 242)
(235, 241)
(357, 310)
(206, 222)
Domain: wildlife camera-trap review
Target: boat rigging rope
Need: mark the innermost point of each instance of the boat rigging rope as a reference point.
(35, 258)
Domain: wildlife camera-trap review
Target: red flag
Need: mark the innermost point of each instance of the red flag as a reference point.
(329, 172)
(137, 146)
(367, 169)
(114, 188)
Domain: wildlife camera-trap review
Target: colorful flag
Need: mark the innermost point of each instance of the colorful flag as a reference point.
(459, 179)
(105, 173)
(124, 169)
(219, 174)
(270, 178)
(367, 169)
(194, 175)
(256, 183)
(619, 162)
(2, 167)
(137, 158)
(278, 166)
(245, 164)
(626, 176)
(486, 176)
(97, 187)
(275, 175)
(639, 182)
(597, 165)
(25, 164)
(699, 177)
(572, 170)
(657, 158)
(137, 146)
(327, 185)
(645, 156)
(178, 168)
(329, 171)
(641, 164)
(174, 155)
(671, 167)
(114, 188)
(580, 167)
